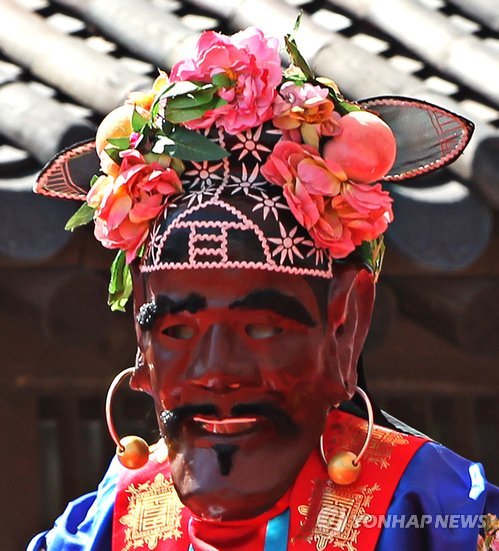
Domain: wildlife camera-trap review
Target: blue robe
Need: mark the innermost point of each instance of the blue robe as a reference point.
(437, 482)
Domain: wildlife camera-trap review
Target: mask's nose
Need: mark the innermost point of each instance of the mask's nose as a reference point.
(222, 362)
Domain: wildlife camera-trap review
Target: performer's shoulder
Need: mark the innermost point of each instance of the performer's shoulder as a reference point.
(86, 520)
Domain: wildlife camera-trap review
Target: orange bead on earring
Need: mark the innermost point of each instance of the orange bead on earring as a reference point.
(132, 451)
(344, 467)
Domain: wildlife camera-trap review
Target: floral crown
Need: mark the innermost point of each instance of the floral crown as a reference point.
(325, 164)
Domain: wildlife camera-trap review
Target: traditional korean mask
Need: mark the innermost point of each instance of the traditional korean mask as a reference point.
(243, 363)
(243, 369)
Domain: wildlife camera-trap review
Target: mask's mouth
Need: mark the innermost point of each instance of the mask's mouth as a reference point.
(227, 425)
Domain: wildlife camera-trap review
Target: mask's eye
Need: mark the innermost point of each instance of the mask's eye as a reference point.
(180, 331)
(262, 330)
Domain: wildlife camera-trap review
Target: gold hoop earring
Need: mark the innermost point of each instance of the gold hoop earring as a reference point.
(132, 451)
(344, 467)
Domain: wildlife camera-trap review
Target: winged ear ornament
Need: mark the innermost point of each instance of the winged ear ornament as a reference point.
(68, 174)
(428, 137)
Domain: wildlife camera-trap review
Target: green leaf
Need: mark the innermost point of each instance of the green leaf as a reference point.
(184, 95)
(345, 107)
(372, 254)
(176, 116)
(138, 121)
(114, 153)
(82, 216)
(181, 88)
(167, 127)
(186, 101)
(296, 57)
(154, 107)
(120, 284)
(342, 106)
(293, 52)
(189, 145)
(94, 179)
(297, 24)
(222, 80)
(120, 143)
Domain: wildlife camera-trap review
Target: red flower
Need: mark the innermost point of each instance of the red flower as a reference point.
(125, 206)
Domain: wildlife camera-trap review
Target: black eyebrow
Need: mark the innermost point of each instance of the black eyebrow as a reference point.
(163, 304)
(280, 303)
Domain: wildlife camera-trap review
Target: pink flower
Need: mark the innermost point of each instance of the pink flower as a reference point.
(341, 227)
(330, 233)
(305, 113)
(306, 207)
(251, 61)
(366, 217)
(305, 177)
(291, 161)
(339, 214)
(125, 206)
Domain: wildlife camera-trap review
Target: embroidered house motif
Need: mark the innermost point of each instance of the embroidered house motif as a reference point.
(341, 513)
(227, 203)
(153, 514)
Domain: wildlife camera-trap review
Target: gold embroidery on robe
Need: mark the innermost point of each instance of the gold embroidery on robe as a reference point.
(380, 447)
(342, 512)
(153, 514)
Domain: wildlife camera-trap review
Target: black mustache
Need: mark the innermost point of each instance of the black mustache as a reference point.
(278, 417)
(172, 419)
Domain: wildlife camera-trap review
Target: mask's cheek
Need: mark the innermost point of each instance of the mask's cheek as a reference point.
(166, 376)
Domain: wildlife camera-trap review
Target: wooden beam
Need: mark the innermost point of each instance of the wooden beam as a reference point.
(435, 39)
(146, 30)
(38, 124)
(485, 11)
(94, 79)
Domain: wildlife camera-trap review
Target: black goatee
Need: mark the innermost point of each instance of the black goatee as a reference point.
(225, 453)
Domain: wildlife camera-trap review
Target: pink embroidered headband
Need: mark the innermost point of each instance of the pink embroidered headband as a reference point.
(231, 162)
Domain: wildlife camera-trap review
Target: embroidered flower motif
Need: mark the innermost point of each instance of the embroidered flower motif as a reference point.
(319, 253)
(287, 244)
(199, 196)
(247, 182)
(125, 206)
(305, 113)
(203, 173)
(249, 143)
(251, 63)
(268, 204)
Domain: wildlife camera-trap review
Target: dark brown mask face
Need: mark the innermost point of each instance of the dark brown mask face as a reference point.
(243, 370)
